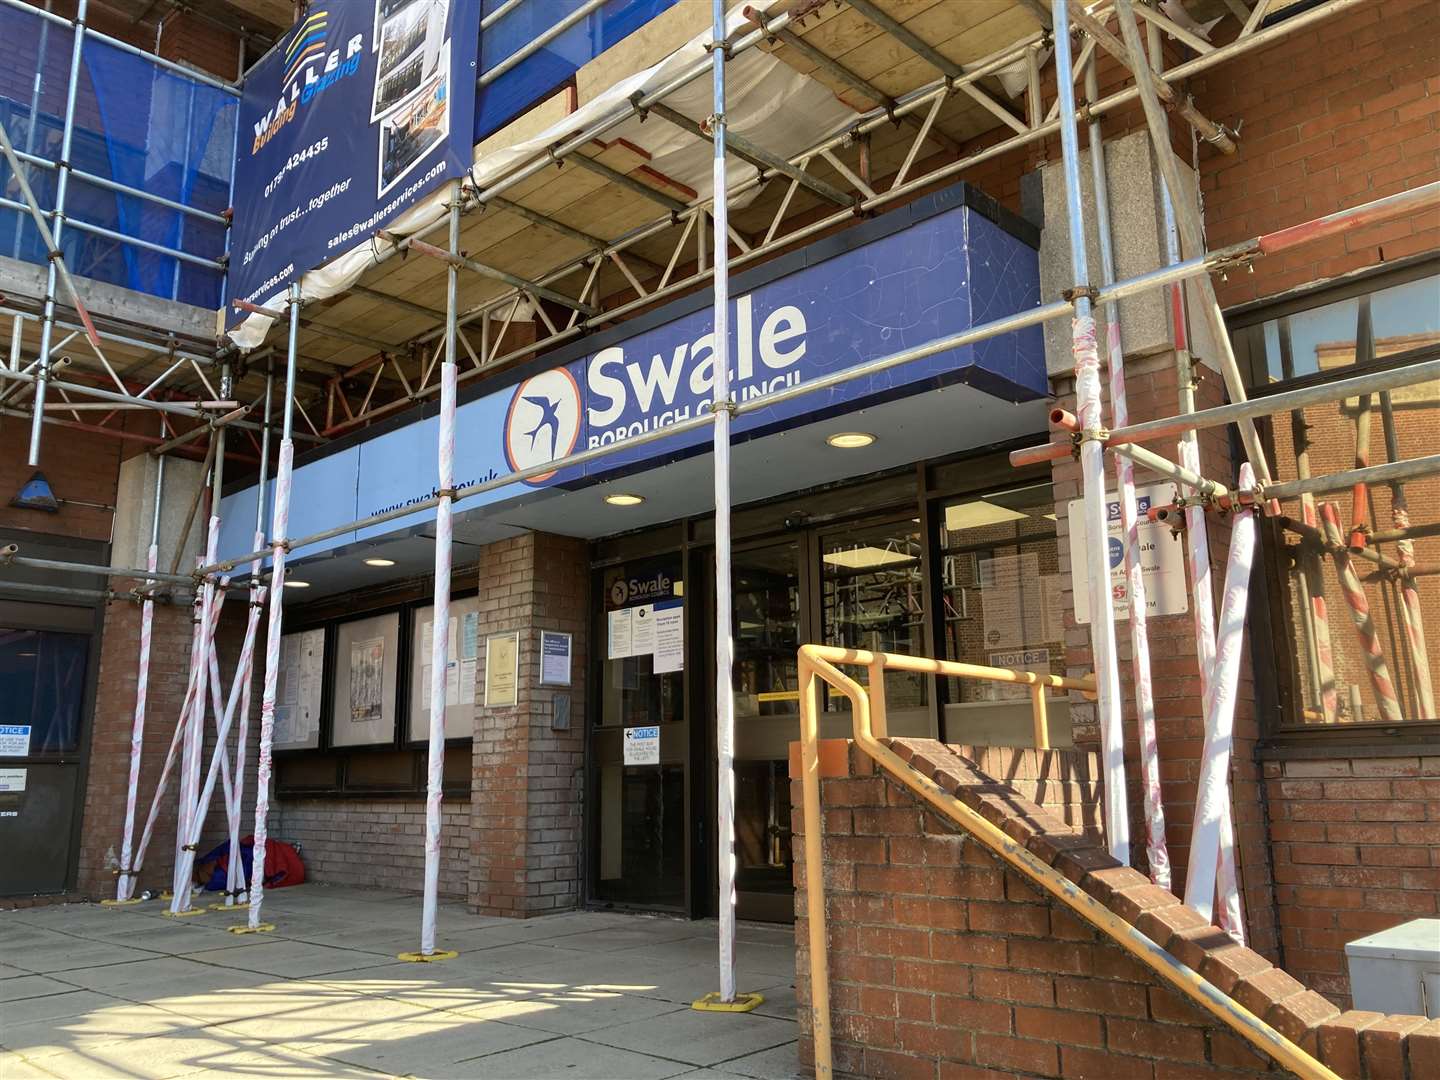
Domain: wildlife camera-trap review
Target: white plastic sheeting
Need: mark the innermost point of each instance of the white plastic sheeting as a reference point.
(768, 101)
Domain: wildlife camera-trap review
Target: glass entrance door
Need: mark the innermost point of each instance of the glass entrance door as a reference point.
(768, 618)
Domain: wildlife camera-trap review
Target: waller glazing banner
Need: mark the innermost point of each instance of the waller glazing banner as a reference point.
(363, 108)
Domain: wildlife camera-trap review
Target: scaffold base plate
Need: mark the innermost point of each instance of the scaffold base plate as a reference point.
(713, 1003)
(184, 914)
(263, 928)
(423, 958)
(121, 903)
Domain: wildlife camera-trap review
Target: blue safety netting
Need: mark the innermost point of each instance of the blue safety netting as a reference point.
(136, 124)
(546, 70)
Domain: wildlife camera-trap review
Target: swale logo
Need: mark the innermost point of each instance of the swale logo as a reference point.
(543, 422)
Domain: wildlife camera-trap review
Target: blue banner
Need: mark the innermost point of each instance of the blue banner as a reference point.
(363, 108)
(930, 270)
(546, 70)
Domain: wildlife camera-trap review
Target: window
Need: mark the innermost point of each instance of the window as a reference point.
(873, 597)
(42, 683)
(1003, 598)
(1353, 596)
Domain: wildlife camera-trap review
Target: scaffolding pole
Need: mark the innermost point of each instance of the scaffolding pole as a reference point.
(1197, 539)
(280, 546)
(1410, 610)
(235, 884)
(722, 410)
(62, 184)
(181, 728)
(440, 611)
(1092, 464)
(1212, 795)
(194, 742)
(1157, 853)
(125, 882)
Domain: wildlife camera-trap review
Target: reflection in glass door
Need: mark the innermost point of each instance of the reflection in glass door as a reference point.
(767, 625)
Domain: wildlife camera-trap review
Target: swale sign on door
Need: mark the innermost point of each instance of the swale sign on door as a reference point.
(930, 270)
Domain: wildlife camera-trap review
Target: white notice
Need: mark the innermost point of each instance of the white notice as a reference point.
(642, 746)
(669, 636)
(12, 780)
(467, 681)
(1162, 559)
(14, 740)
(621, 624)
(642, 630)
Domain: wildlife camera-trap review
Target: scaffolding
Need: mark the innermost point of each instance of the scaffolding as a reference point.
(398, 374)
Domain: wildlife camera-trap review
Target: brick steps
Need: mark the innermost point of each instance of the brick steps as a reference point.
(1028, 978)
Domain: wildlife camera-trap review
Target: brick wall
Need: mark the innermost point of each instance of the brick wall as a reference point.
(78, 465)
(946, 963)
(1356, 845)
(526, 808)
(378, 843)
(1345, 113)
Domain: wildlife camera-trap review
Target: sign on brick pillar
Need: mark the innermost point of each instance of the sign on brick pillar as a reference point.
(527, 779)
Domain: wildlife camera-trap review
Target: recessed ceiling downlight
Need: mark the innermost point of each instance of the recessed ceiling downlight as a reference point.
(850, 440)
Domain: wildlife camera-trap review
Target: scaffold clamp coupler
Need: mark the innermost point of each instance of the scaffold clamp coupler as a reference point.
(446, 492)
(188, 847)
(1095, 434)
(1075, 292)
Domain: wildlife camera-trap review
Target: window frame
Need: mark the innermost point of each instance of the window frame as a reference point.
(1272, 642)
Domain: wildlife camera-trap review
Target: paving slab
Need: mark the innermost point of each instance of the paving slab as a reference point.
(562, 1057)
(698, 1038)
(429, 1046)
(69, 954)
(118, 1022)
(31, 986)
(289, 959)
(778, 1063)
(573, 1012)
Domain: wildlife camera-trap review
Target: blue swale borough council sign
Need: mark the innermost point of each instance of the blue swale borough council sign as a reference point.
(929, 270)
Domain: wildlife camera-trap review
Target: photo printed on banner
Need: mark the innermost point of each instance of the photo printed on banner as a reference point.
(411, 38)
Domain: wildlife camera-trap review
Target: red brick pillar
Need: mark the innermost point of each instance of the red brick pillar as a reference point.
(526, 794)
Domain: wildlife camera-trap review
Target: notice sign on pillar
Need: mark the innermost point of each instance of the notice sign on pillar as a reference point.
(1162, 558)
(642, 745)
(555, 653)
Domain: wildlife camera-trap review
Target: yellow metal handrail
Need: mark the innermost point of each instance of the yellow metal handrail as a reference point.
(819, 662)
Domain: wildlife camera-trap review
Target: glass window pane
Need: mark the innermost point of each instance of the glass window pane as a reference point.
(1331, 336)
(1334, 592)
(1003, 596)
(42, 683)
(874, 598)
(766, 591)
